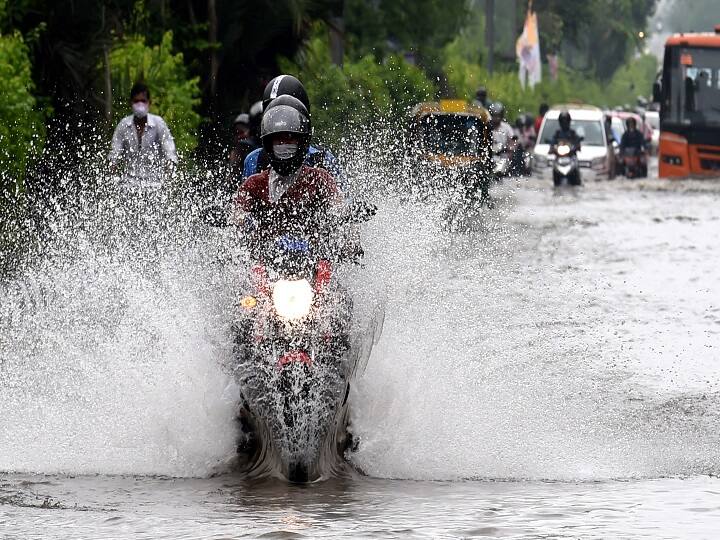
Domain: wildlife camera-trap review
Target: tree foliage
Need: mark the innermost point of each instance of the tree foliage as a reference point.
(175, 95)
(361, 92)
(21, 124)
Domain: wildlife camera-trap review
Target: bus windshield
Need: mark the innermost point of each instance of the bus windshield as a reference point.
(694, 97)
(451, 134)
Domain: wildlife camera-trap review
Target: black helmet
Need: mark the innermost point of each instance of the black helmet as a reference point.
(481, 93)
(289, 101)
(629, 121)
(564, 120)
(255, 116)
(283, 85)
(285, 119)
(497, 109)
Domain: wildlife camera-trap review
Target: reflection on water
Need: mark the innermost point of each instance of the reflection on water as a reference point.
(105, 507)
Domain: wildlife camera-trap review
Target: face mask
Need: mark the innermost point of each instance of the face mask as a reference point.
(140, 109)
(285, 151)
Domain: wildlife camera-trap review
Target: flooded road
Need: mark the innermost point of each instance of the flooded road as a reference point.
(553, 373)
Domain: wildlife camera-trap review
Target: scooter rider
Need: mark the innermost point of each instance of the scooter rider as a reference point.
(565, 132)
(632, 138)
(315, 156)
(503, 133)
(289, 197)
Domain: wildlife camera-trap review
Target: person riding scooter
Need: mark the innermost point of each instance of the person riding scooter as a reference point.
(632, 150)
(506, 151)
(289, 197)
(315, 156)
(565, 132)
(565, 146)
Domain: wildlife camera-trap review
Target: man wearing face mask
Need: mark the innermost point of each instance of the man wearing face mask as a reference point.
(290, 197)
(256, 161)
(143, 149)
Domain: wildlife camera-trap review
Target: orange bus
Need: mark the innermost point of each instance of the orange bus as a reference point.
(689, 96)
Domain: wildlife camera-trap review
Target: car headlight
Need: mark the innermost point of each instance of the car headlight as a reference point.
(598, 163)
(292, 298)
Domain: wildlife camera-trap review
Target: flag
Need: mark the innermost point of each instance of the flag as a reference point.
(527, 49)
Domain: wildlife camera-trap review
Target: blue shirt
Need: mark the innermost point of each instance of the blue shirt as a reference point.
(329, 163)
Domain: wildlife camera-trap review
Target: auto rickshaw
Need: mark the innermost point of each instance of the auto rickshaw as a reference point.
(451, 143)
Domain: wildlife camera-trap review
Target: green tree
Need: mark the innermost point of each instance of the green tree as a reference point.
(21, 123)
(361, 92)
(420, 26)
(175, 95)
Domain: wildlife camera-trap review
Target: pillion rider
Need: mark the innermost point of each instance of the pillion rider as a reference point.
(315, 156)
(288, 198)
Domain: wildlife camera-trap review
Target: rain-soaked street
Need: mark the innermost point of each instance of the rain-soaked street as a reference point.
(553, 373)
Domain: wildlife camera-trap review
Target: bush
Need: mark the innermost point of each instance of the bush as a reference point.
(21, 125)
(174, 94)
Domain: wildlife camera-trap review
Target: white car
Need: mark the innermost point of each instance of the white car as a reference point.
(596, 157)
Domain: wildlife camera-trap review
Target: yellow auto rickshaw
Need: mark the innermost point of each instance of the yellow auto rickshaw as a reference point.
(452, 140)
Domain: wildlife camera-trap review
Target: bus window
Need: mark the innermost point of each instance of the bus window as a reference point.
(695, 89)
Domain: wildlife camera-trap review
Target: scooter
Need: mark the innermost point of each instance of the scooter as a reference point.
(565, 166)
(298, 349)
(635, 162)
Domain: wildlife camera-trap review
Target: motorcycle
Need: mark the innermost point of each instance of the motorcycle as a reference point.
(634, 162)
(565, 166)
(299, 347)
(502, 160)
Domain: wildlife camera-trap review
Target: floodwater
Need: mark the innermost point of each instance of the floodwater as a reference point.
(552, 373)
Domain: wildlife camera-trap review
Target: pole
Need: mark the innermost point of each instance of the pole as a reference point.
(336, 24)
(490, 33)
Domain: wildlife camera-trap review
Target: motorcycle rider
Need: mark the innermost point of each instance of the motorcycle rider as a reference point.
(315, 156)
(503, 133)
(565, 132)
(632, 138)
(504, 139)
(243, 143)
(142, 146)
(633, 143)
(289, 197)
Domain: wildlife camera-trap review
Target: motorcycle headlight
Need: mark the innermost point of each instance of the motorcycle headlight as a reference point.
(563, 150)
(292, 298)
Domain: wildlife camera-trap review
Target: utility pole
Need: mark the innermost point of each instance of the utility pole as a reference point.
(213, 39)
(336, 25)
(515, 24)
(490, 33)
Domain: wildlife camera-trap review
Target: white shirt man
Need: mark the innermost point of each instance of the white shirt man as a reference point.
(142, 144)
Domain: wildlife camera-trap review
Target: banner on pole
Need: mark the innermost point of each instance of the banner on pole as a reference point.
(527, 49)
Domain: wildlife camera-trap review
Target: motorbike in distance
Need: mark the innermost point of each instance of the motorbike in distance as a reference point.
(566, 168)
(634, 162)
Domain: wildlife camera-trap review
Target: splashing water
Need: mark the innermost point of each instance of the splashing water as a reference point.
(517, 350)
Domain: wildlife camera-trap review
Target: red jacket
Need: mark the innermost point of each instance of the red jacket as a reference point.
(301, 211)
